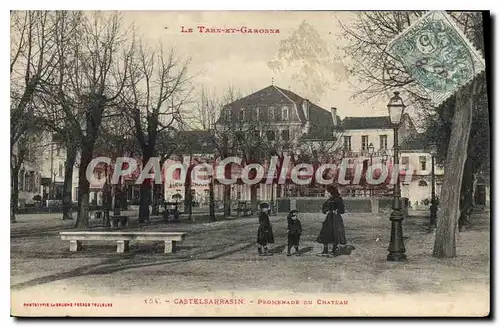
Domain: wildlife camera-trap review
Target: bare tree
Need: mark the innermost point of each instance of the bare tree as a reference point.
(116, 139)
(251, 142)
(31, 61)
(208, 116)
(369, 34)
(157, 90)
(57, 107)
(96, 69)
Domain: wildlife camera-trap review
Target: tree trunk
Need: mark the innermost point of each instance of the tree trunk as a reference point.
(145, 191)
(68, 182)
(117, 200)
(211, 200)
(144, 200)
(156, 199)
(253, 198)
(466, 195)
(445, 242)
(82, 220)
(14, 193)
(227, 200)
(188, 199)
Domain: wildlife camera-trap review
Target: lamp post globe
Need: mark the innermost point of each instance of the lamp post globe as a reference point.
(396, 248)
(433, 149)
(396, 109)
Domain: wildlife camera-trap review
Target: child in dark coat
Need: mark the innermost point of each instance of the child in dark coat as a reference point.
(293, 230)
(265, 231)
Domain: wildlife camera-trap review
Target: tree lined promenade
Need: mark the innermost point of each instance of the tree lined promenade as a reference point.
(221, 256)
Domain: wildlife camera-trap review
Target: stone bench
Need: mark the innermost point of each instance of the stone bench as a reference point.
(122, 239)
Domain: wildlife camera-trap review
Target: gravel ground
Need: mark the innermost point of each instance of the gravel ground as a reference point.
(222, 256)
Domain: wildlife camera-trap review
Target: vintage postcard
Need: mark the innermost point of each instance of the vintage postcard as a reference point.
(250, 163)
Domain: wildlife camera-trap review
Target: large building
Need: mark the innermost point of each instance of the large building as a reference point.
(274, 120)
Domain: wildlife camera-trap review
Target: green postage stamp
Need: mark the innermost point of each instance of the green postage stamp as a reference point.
(438, 55)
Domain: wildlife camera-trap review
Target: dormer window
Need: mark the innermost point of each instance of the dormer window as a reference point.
(248, 114)
(284, 113)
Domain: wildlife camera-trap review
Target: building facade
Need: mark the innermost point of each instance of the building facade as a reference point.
(275, 121)
(415, 153)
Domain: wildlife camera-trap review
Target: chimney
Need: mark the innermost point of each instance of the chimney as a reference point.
(333, 110)
(305, 108)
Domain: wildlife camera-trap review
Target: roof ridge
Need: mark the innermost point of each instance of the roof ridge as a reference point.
(281, 91)
(286, 96)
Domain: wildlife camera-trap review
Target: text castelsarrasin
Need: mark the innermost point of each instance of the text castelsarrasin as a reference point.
(210, 301)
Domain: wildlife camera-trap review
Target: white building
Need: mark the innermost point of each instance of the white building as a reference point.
(42, 172)
(415, 153)
(362, 133)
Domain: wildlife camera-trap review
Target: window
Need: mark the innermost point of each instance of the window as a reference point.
(241, 114)
(422, 183)
(285, 135)
(364, 142)
(248, 114)
(423, 162)
(272, 113)
(60, 169)
(271, 135)
(347, 143)
(405, 161)
(284, 113)
(57, 151)
(383, 142)
(257, 113)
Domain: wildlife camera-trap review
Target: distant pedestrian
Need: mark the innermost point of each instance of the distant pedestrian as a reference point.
(265, 232)
(293, 230)
(332, 231)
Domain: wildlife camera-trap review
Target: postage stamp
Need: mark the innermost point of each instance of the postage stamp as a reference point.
(438, 55)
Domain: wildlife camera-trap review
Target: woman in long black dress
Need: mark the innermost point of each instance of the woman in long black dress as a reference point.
(333, 231)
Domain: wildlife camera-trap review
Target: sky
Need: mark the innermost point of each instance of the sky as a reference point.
(312, 63)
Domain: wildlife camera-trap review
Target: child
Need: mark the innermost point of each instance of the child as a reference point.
(294, 230)
(265, 231)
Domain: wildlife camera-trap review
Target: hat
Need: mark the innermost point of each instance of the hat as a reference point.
(264, 205)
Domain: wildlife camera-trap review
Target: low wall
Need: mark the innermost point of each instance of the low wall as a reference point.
(361, 205)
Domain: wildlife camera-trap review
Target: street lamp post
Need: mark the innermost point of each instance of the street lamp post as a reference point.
(433, 208)
(371, 149)
(298, 190)
(396, 246)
